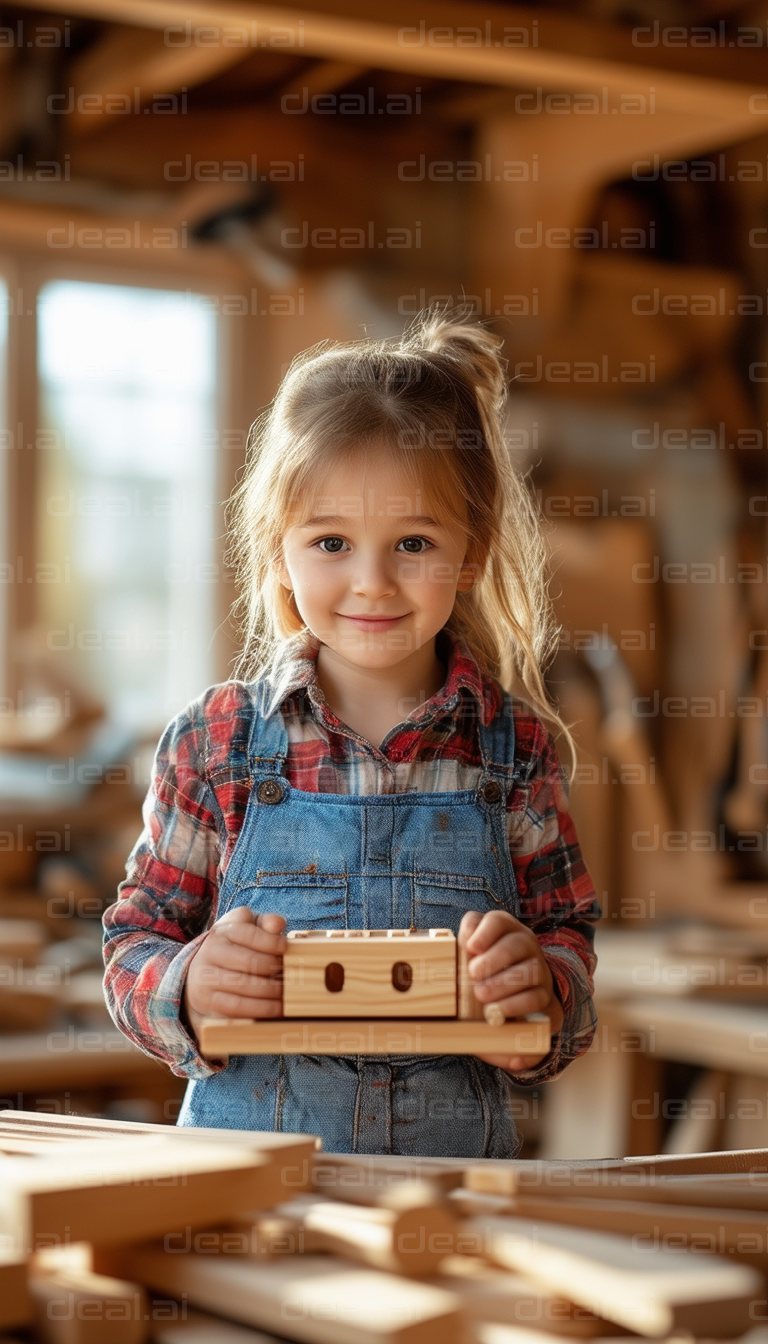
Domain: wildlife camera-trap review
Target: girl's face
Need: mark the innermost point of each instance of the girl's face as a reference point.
(370, 548)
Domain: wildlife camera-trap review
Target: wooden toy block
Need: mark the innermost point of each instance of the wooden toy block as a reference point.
(15, 1302)
(131, 1189)
(410, 1240)
(649, 1290)
(76, 1306)
(319, 1299)
(219, 1037)
(409, 984)
(469, 1009)
(369, 973)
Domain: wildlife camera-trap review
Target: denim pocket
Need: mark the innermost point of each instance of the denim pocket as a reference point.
(440, 899)
(306, 900)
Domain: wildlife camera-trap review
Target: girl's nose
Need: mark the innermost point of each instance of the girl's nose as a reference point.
(374, 576)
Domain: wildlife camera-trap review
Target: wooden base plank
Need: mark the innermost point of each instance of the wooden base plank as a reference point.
(418, 1036)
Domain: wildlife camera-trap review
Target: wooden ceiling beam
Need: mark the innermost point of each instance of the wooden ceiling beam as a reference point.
(524, 233)
(128, 66)
(324, 77)
(484, 54)
(149, 245)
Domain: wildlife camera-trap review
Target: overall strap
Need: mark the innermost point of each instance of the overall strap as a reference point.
(268, 737)
(497, 743)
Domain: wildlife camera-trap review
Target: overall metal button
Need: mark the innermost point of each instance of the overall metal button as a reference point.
(491, 791)
(270, 791)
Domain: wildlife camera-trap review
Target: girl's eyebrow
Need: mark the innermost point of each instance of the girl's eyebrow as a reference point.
(324, 518)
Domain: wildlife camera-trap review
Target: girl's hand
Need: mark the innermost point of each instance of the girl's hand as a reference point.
(237, 969)
(509, 968)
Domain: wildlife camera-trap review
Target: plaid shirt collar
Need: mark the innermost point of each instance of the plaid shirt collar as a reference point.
(294, 668)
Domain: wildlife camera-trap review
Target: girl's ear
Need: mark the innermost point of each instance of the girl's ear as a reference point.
(282, 573)
(466, 578)
(469, 573)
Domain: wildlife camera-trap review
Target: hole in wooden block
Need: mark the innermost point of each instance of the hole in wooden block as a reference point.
(334, 977)
(402, 976)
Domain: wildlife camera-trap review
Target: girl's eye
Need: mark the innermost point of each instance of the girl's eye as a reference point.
(406, 540)
(333, 540)
(335, 544)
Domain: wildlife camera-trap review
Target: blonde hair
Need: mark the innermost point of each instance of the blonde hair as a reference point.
(441, 385)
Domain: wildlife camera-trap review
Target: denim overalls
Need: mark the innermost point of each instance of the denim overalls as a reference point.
(330, 860)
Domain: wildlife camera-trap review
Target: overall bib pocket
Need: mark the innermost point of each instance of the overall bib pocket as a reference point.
(441, 899)
(306, 900)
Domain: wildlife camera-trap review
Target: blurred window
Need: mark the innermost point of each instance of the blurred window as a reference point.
(127, 499)
(4, 464)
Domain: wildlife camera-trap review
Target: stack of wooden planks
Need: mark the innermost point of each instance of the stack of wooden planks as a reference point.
(131, 1234)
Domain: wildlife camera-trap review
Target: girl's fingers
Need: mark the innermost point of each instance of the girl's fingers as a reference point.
(528, 1001)
(469, 922)
(510, 949)
(510, 980)
(214, 978)
(493, 926)
(235, 957)
(513, 1064)
(251, 934)
(238, 1005)
(271, 923)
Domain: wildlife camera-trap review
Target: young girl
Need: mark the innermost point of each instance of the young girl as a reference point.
(370, 767)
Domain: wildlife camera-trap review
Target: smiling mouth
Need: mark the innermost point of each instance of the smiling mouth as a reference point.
(373, 620)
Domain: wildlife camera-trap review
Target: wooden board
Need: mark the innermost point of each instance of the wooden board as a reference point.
(130, 1189)
(714, 1034)
(635, 962)
(320, 1299)
(503, 1177)
(26, 1007)
(650, 1291)
(71, 1057)
(21, 940)
(389, 973)
(496, 1332)
(290, 1155)
(739, 1234)
(410, 1240)
(492, 1294)
(76, 1306)
(364, 1178)
(725, 1191)
(421, 1036)
(198, 1328)
(15, 1302)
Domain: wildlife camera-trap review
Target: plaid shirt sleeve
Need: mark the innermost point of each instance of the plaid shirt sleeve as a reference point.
(167, 901)
(557, 896)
